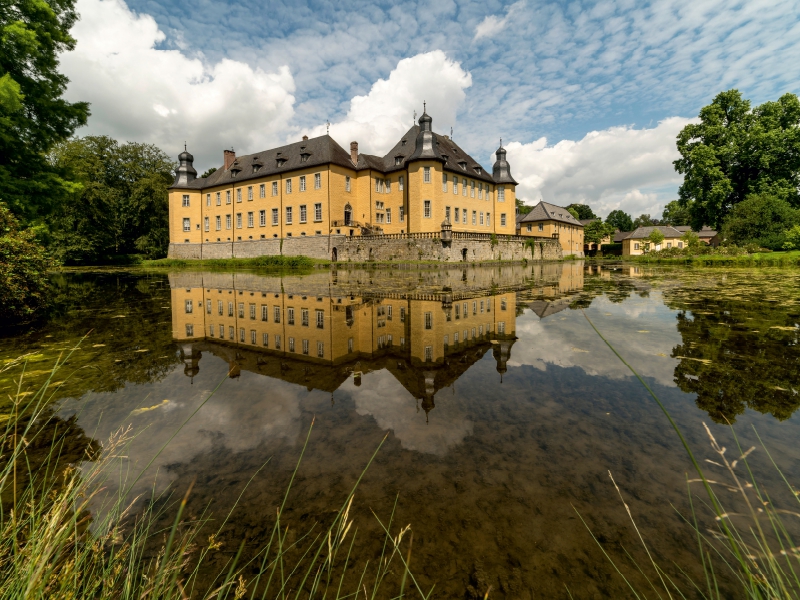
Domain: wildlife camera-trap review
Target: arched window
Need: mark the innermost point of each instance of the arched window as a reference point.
(348, 214)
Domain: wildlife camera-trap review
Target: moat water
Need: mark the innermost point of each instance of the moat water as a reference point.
(504, 409)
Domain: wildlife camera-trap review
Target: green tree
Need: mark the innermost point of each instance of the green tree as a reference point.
(214, 169)
(574, 213)
(675, 214)
(23, 271)
(691, 241)
(761, 219)
(643, 221)
(33, 114)
(120, 205)
(595, 231)
(655, 237)
(583, 210)
(735, 152)
(523, 208)
(620, 220)
(792, 237)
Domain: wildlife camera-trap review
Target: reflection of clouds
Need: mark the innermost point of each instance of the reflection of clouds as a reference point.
(571, 342)
(242, 414)
(392, 407)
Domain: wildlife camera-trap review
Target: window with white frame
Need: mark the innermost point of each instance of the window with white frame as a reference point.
(446, 213)
(276, 314)
(320, 319)
(262, 218)
(317, 181)
(388, 215)
(303, 213)
(265, 340)
(274, 188)
(186, 200)
(501, 194)
(274, 216)
(238, 220)
(377, 185)
(400, 183)
(427, 209)
(347, 183)
(426, 174)
(227, 196)
(402, 213)
(541, 226)
(219, 223)
(480, 191)
(250, 222)
(262, 191)
(472, 189)
(188, 307)
(208, 199)
(277, 342)
(249, 192)
(444, 182)
(464, 187)
(238, 194)
(636, 246)
(189, 330)
(502, 219)
(320, 350)
(302, 183)
(318, 211)
(488, 218)
(227, 221)
(481, 221)
(474, 217)
(288, 186)
(455, 185)
(305, 346)
(219, 198)
(187, 225)
(428, 320)
(456, 212)
(288, 215)
(388, 186)
(206, 224)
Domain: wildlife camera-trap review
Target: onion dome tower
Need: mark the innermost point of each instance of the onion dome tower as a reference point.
(185, 173)
(501, 171)
(426, 141)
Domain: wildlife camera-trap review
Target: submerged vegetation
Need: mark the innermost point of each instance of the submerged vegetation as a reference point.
(262, 262)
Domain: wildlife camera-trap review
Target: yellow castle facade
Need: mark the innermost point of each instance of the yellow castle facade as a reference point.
(315, 188)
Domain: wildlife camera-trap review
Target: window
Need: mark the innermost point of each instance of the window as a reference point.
(219, 199)
(474, 307)
(464, 187)
(265, 340)
(288, 186)
(238, 194)
(455, 185)
(427, 213)
(303, 213)
(320, 350)
(458, 313)
(503, 304)
(501, 327)
(426, 174)
(208, 306)
(189, 330)
(187, 225)
(274, 216)
(489, 218)
(400, 183)
(541, 226)
(291, 344)
(475, 217)
(276, 313)
(250, 219)
(444, 182)
(222, 332)
(274, 188)
(302, 183)
(320, 319)
(377, 185)
(220, 306)
(227, 196)
(501, 194)
(481, 218)
(389, 312)
(211, 331)
(290, 316)
(347, 183)
(264, 312)
(530, 227)
(208, 199)
(252, 336)
(277, 342)
(428, 353)
(669, 244)
(238, 220)
(262, 191)
(305, 347)
(472, 189)
(428, 320)
(304, 317)
(457, 210)
(388, 186)
(206, 223)
(680, 244)
(480, 191)
(398, 160)
(186, 200)
(636, 246)
(262, 218)
(250, 196)
(349, 345)
(402, 314)
(317, 181)
(402, 213)
(318, 211)
(241, 310)
(388, 215)
(446, 213)
(288, 215)
(188, 306)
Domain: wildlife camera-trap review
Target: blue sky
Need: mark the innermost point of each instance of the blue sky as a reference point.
(588, 97)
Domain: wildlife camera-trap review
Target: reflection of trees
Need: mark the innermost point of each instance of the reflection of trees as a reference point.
(734, 358)
(617, 288)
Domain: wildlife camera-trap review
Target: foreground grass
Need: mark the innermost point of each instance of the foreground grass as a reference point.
(63, 536)
(276, 262)
(766, 259)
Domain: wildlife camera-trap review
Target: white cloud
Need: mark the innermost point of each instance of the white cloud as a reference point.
(619, 167)
(141, 93)
(378, 119)
(492, 24)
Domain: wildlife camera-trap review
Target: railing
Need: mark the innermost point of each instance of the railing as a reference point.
(457, 235)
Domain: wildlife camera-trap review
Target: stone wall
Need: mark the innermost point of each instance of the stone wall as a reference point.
(363, 249)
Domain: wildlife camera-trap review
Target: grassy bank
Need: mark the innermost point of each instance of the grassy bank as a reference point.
(276, 262)
(758, 259)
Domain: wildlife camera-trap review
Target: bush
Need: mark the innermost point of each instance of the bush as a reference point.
(761, 219)
(23, 271)
(792, 238)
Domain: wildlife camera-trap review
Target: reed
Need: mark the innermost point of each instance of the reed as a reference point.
(63, 536)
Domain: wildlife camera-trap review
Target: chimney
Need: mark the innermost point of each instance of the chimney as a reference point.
(354, 152)
(305, 138)
(228, 157)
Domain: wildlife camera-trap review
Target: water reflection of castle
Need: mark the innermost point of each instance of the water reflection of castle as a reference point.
(320, 331)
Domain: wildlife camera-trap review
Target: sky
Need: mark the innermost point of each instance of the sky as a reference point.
(587, 97)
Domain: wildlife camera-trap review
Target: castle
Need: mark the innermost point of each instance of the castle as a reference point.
(315, 188)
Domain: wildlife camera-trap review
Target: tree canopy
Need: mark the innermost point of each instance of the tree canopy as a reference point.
(523, 208)
(736, 151)
(761, 219)
(33, 114)
(620, 220)
(675, 214)
(584, 211)
(595, 231)
(643, 220)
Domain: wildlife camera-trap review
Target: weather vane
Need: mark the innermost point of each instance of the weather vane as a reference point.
(184, 146)
(424, 106)
(328, 123)
(415, 116)
(451, 133)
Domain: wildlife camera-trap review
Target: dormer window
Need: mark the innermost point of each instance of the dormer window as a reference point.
(398, 160)
(478, 170)
(304, 157)
(463, 165)
(403, 143)
(281, 162)
(256, 168)
(444, 156)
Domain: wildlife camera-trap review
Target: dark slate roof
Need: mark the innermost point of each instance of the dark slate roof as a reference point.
(320, 150)
(545, 211)
(644, 232)
(585, 222)
(621, 235)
